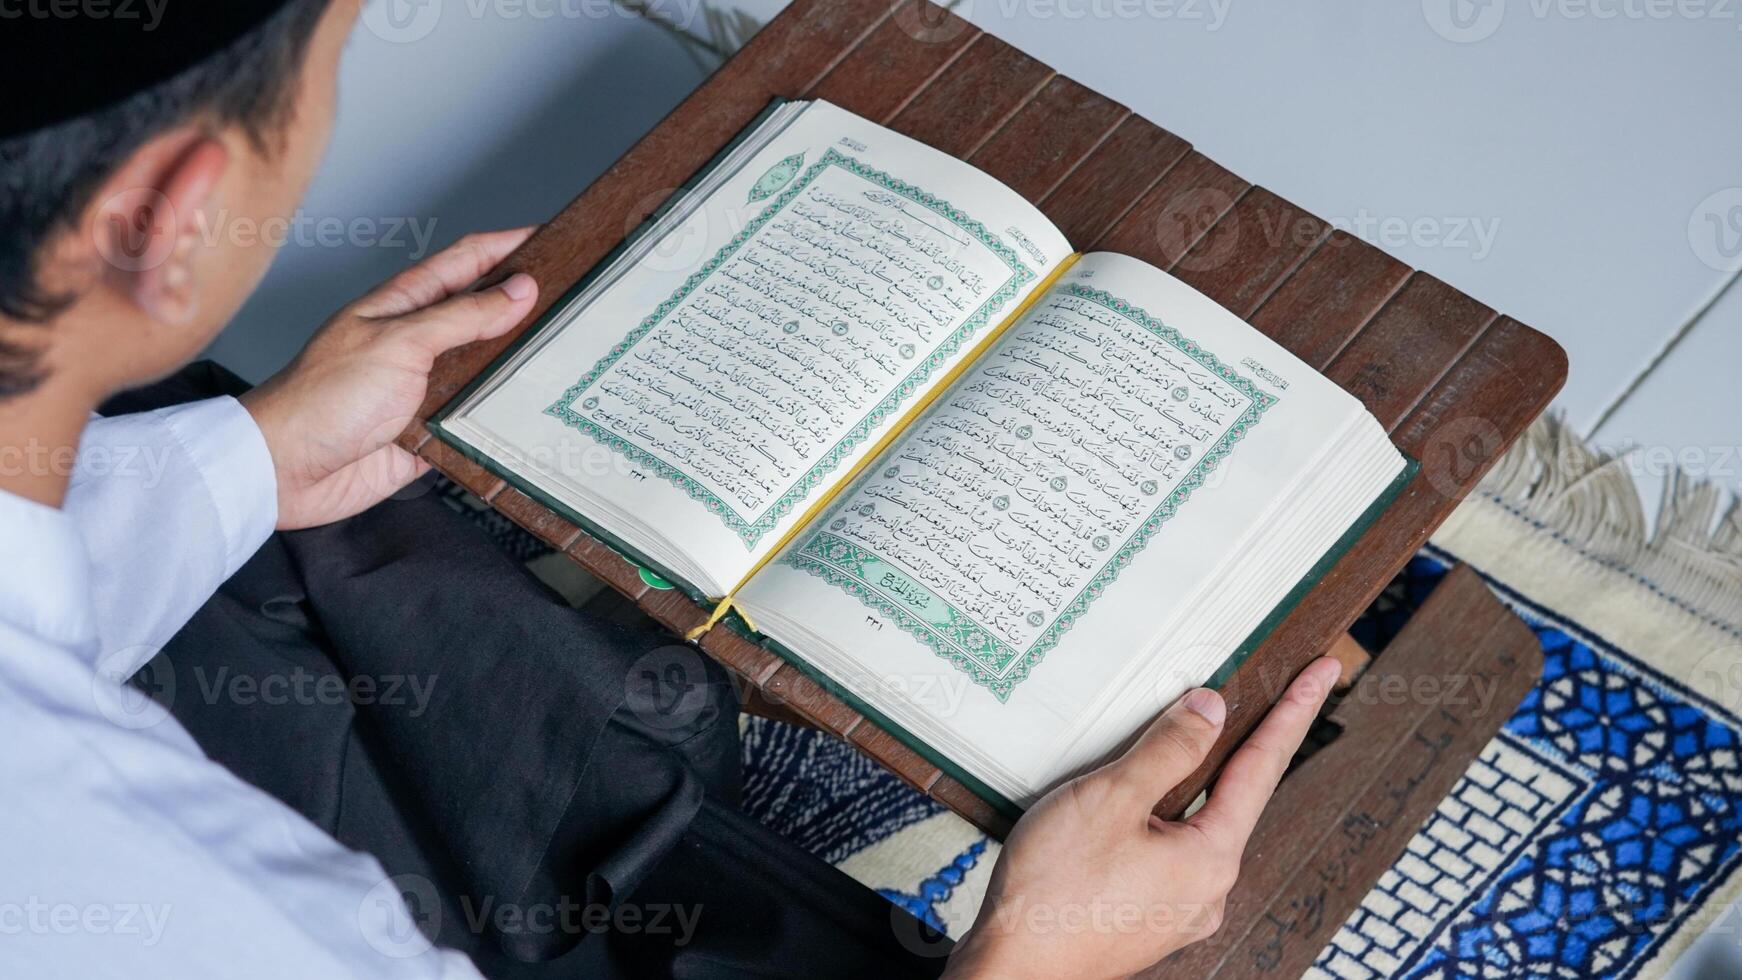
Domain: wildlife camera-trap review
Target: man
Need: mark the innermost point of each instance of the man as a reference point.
(519, 807)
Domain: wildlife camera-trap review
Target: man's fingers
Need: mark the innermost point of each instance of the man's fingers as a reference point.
(1174, 745)
(1253, 771)
(442, 274)
(469, 317)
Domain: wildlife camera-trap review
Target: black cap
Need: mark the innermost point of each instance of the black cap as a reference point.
(62, 59)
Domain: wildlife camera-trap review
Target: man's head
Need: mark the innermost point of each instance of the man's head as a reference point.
(115, 263)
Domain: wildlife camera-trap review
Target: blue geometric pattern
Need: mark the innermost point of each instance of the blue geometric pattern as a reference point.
(1653, 826)
(821, 793)
(935, 890)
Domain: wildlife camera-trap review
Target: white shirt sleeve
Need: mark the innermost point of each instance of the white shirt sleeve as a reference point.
(170, 504)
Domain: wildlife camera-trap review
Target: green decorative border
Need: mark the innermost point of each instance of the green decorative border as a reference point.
(752, 530)
(963, 642)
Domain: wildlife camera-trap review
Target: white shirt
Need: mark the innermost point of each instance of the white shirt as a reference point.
(124, 851)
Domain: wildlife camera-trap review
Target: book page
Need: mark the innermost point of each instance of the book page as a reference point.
(1004, 513)
(1016, 552)
(740, 370)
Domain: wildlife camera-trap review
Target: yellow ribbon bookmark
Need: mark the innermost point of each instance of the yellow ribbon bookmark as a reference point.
(726, 603)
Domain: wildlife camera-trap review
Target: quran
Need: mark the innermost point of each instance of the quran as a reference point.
(870, 406)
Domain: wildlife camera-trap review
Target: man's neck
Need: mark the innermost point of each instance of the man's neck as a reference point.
(39, 440)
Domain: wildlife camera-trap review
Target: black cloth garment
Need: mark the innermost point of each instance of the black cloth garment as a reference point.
(553, 794)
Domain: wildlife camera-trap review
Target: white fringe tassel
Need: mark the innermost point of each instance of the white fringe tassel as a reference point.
(1589, 499)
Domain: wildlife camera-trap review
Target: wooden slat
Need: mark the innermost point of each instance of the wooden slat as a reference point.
(1470, 417)
(1251, 249)
(970, 807)
(793, 689)
(1329, 298)
(748, 659)
(538, 520)
(895, 756)
(899, 58)
(983, 88)
(673, 610)
(1048, 137)
(1112, 180)
(610, 567)
(480, 482)
(1392, 363)
(1177, 211)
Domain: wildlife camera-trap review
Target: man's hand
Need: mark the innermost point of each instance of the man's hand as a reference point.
(330, 418)
(1090, 884)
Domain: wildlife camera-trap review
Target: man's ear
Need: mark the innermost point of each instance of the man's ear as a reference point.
(150, 221)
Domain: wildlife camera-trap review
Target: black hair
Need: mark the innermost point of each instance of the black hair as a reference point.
(48, 177)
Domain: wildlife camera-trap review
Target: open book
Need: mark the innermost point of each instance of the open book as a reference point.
(1009, 500)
